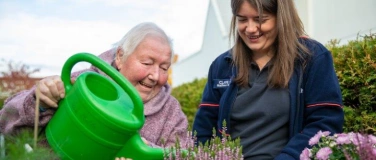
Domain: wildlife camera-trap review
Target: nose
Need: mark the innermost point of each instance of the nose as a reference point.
(252, 26)
(154, 73)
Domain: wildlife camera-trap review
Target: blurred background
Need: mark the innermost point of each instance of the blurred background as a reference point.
(44, 33)
(39, 35)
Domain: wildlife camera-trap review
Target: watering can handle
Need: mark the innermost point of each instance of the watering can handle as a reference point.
(138, 110)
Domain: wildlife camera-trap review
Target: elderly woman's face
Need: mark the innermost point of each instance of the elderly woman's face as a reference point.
(147, 67)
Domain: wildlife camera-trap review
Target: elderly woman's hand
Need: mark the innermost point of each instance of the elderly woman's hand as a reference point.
(51, 90)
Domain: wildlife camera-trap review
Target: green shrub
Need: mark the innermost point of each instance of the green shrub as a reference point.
(15, 147)
(355, 65)
(189, 95)
(1, 102)
(359, 121)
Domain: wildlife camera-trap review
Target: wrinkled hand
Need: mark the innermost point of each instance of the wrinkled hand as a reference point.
(51, 91)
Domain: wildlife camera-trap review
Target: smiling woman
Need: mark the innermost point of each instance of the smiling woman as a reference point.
(143, 56)
(276, 97)
(146, 66)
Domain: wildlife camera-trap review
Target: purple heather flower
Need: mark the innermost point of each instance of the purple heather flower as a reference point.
(323, 153)
(306, 154)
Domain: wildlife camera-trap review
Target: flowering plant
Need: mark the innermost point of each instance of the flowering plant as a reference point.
(349, 146)
(223, 148)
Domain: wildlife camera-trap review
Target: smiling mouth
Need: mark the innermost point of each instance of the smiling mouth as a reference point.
(144, 84)
(255, 37)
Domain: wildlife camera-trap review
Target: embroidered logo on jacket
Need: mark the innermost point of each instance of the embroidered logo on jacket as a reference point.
(221, 83)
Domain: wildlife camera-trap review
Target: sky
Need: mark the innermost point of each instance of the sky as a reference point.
(43, 34)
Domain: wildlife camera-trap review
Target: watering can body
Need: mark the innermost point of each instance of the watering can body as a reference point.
(99, 118)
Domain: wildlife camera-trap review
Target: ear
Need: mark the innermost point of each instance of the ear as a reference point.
(119, 57)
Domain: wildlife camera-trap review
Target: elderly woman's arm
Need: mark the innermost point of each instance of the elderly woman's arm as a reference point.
(19, 112)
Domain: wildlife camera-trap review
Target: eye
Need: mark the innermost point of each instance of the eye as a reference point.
(259, 20)
(147, 64)
(164, 68)
(242, 19)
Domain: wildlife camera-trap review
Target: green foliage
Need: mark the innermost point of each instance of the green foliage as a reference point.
(1, 102)
(359, 121)
(15, 147)
(355, 64)
(189, 95)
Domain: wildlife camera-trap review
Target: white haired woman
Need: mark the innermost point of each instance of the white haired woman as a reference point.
(143, 56)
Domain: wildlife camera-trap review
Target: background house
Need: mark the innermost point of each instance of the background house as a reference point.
(323, 20)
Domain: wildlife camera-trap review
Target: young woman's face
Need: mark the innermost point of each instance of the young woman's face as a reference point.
(147, 67)
(258, 38)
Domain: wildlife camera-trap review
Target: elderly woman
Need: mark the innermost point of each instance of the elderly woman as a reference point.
(143, 56)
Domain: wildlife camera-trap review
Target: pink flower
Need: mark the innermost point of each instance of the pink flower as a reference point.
(323, 153)
(372, 139)
(306, 154)
(325, 133)
(343, 138)
(315, 139)
(351, 146)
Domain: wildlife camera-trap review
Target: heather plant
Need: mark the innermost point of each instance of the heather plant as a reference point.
(349, 146)
(217, 148)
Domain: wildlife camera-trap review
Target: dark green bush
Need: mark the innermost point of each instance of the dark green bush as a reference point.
(2, 102)
(359, 121)
(355, 65)
(189, 95)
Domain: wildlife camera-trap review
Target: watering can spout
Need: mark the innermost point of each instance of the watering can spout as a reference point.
(136, 149)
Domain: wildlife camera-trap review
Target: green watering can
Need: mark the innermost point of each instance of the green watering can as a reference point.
(98, 118)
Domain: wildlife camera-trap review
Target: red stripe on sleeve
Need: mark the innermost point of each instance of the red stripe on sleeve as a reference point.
(324, 104)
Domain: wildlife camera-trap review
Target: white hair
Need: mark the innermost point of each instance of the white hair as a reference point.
(137, 34)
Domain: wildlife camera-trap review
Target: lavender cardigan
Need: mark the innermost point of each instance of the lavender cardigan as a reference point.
(164, 117)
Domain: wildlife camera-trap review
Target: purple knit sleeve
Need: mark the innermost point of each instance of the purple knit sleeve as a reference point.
(19, 112)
